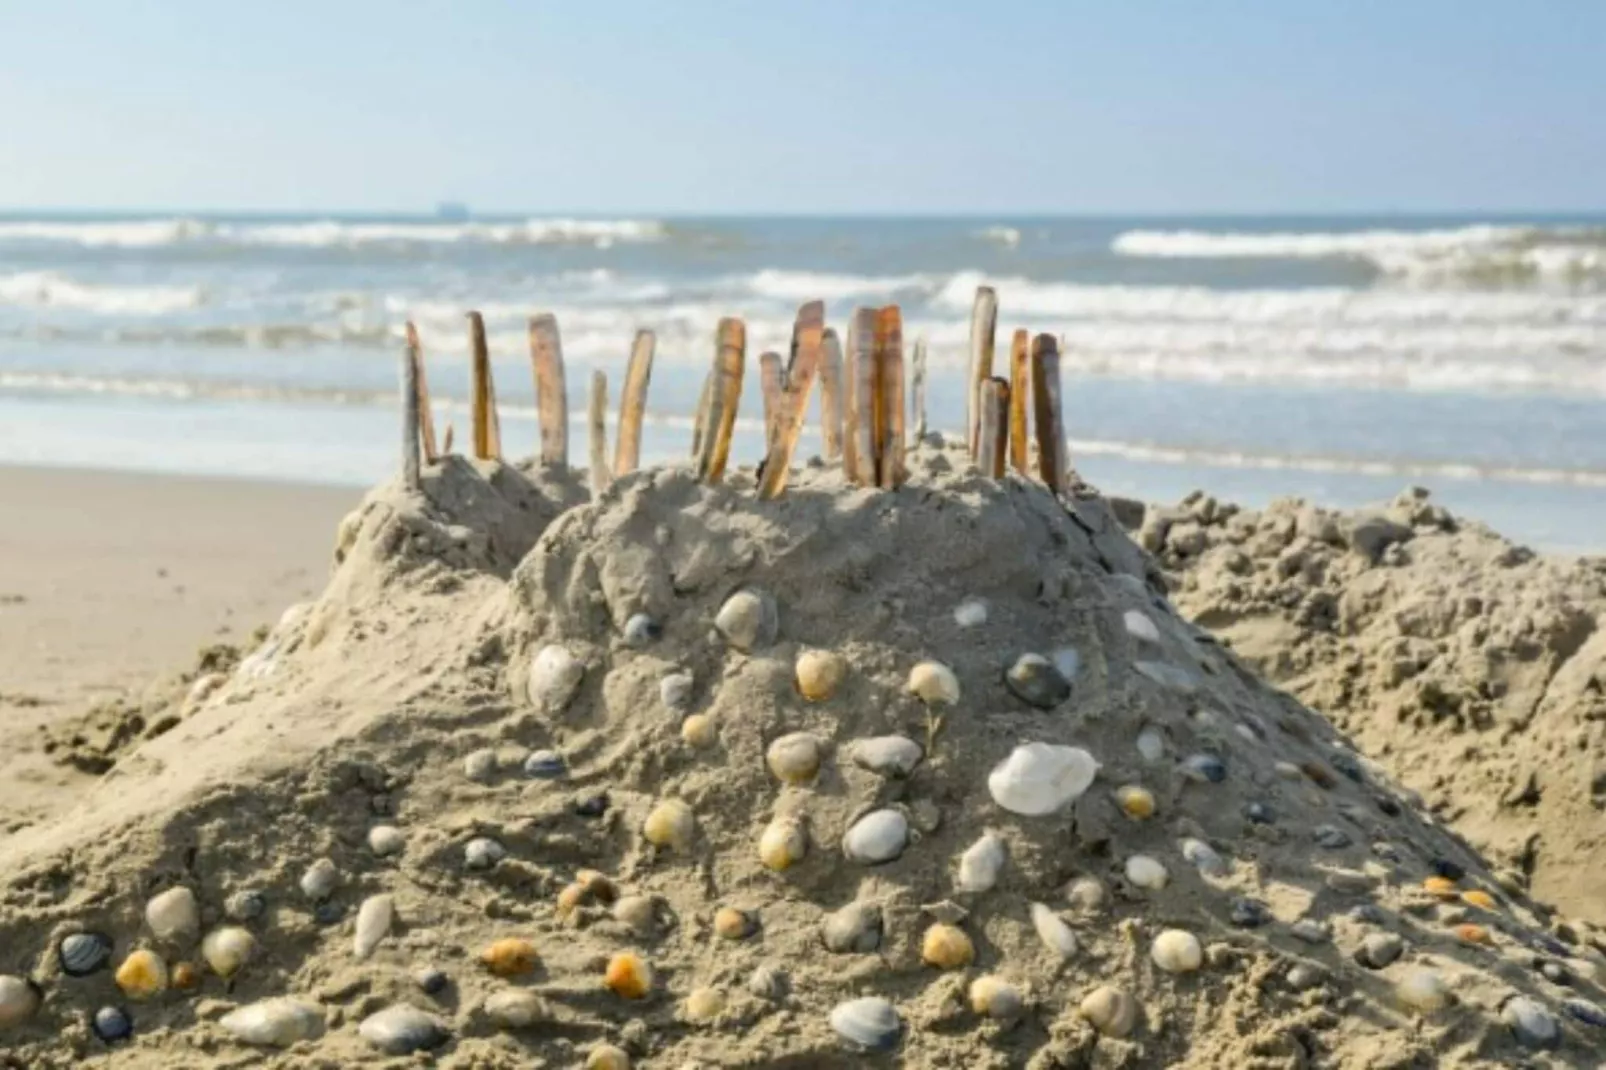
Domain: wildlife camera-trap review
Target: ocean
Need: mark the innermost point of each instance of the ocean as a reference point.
(1338, 359)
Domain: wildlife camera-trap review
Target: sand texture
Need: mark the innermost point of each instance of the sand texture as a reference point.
(1471, 668)
(497, 616)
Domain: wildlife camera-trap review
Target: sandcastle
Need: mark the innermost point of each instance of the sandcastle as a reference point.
(889, 759)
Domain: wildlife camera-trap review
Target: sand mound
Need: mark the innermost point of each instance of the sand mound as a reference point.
(1474, 670)
(1122, 851)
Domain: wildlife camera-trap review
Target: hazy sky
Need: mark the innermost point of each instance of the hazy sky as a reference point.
(827, 106)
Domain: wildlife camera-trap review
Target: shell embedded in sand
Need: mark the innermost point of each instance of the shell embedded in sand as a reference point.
(981, 864)
(1040, 778)
(748, 620)
(971, 613)
(607, 1057)
(639, 912)
(555, 676)
(879, 836)
(174, 917)
(1086, 894)
(820, 673)
(516, 1008)
(894, 756)
(996, 998)
(1204, 858)
(274, 1023)
(227, 949)
(1146, 872)
(545, 765)
(852, 930)
(794, 758)
(768, 983)
(700, 730)
(1204, 768)
(184, 976)
(483, 853)
(386, 840)
(320, 880)
(869, 1024)
(142, 975)
(1473, 934)
(1177, 951)
(641, 630)
(934, 683)
(1109, 1010)
(112, 1024)
(510, 956)
(628, 975)
(703, 1005)
(671, 824)
(1479, 898)
(374, 919)
(733, 924)
(1530, 1022)
(1151, 744)
(1140, 626)
(783, 843)
(1135, 801)
(1423, 991)
(1442, 887)
(81, 954)
(597, 885)
(19, 1000)
(402, 1030)
(1037, 682)
(1068, 660)
(674, 690)
(1052, 930)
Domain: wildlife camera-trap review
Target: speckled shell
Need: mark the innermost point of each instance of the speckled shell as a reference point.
(671, 824)
(877, 837)
(274, 1023)
(555, 676)
(868, 1024)
(142, 975)
(794, 758)
(819, 674)
(628, 975)
(1177, 951)
(226, 950)
(981, 864)
(1040, 778)
(934, 683)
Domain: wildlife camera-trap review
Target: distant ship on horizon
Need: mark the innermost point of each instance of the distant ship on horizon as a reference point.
(452, 212)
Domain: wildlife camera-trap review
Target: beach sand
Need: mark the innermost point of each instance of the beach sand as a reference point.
(109, 581)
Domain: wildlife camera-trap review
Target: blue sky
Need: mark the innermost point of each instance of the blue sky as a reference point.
(830, 106)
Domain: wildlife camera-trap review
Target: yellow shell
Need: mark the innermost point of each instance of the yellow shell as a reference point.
(142, 975)
(1473, 934)
(934, 684)
(607, 1057)
(510, 956)
(1442, 887)
(704, 1004)
(571, 898)
(628, 975)
(947, 947)
(783, 843)
(794, 758)
(184, 976)
(733, 924)
(819, 674)
(699, 730)
(227, 949)
(1135, 801)
(671, 824)
(1479, 898)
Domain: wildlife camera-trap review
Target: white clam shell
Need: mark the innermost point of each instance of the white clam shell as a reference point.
(748, 620)
(981, 864)
(228, 949)
(1177, 951)
(1140, 626)
(1053, 931)
(555, 675)
(894, 756)
(1146, 872)
(374, 919)
(1041, 778)
(870, 1023)
(386, 840)
(320, 880)
(879, 836)
(274, 1023)
(174, 916)
(934, 684)
(795, 757)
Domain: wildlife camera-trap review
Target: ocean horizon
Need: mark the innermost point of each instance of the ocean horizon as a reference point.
(1334, 357)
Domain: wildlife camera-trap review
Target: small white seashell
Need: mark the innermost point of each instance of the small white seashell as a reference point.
(1068, 660)
(1177, 951)
(401, 1030)
(996, 998)
(228, 949)
(1423, 990)
(515, 1008)
(19, 999)
(971, 613)
(748, 620)
(1151, 744)
(981, 864)
(1052, 930)
(386, 840)
(482, 853)
(869, 1024)
(879, 836)
(1146, 872)
(674, 690)
(274, 1023)
(320, 879)
(894, 756)
(555, 675)
(174, 916)
(1041, 778)
(1140, 626)
(374, 918)
(934, 683)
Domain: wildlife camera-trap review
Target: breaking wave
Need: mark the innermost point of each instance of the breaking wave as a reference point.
(316, 234)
